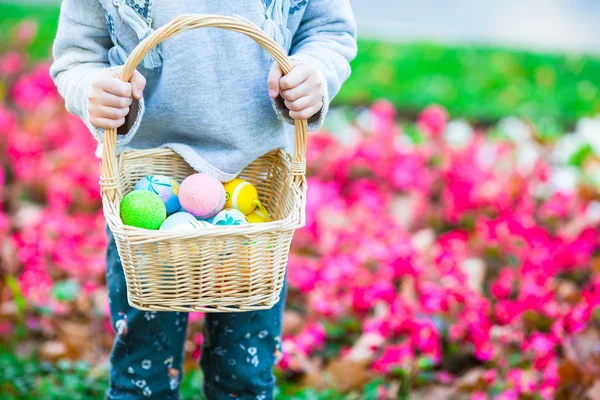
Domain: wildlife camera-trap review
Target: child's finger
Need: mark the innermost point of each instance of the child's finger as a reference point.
(111, 112)
(107, 123)
(296, 93)
(306, 113)
(300, 104)
(116, 87)
(138, 83)
(296, 76)
(111, 100)
(273, 82)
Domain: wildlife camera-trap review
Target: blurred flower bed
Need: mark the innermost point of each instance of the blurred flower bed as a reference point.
(440, 260)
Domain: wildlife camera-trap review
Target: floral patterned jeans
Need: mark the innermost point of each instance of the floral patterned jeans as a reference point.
(239, 349)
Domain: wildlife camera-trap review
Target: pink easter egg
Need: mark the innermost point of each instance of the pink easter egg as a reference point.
(202, 195)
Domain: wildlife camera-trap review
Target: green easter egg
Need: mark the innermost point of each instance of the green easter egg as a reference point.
(143, 209)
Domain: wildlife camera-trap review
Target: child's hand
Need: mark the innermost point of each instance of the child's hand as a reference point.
(109, 98)
(301, 89)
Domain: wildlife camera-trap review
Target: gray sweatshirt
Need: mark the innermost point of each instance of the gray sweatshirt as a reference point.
(206, 95)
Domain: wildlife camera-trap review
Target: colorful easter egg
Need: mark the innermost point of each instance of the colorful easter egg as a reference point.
(230, 217)
(165, 187)
(209, 220)
(179, 218)
(193, 225)
(202, 195)
(143, 209)
(241, 195)
(258, 216)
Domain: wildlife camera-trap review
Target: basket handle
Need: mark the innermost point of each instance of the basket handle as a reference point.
(184, 23)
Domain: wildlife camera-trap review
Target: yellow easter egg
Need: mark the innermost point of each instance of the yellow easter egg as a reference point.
(241, 195)
(258, 216)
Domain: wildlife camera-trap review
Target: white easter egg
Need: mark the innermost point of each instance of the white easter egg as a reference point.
(229, 217)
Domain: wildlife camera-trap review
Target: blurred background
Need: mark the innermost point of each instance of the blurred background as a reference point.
(451, 246)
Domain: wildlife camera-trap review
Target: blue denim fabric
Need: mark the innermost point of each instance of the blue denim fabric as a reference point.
(238, 353)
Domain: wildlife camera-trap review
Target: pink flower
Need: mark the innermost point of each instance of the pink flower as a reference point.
(490, 376)
(425, 336)
(6, 328)
(11, 63)
(542, 348)
(550, 380)
(26, 31)
(34, 90)
(36, 285)
(198, 341)
(409, 172)
(384, 128)
(509, 394)
(559, 205)
(312, 338)
(303, 272)
(7, 123)
(394, 356)
(503, 286)
(433, 120)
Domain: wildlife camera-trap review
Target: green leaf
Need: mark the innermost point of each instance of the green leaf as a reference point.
(17, 294)
(414, 134)
(425, 363)
(66, 290)
(580, 155)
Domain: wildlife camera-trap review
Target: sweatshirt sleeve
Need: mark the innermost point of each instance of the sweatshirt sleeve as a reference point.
(326, 39)
(80, 51)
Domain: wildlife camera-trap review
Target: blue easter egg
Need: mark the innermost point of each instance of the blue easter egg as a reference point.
(177, 220)
(229, 217)
(165, 187)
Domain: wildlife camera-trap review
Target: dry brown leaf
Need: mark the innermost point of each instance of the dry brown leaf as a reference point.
(314, 376)
(365, 347)
(593, 393)
(567, 291)
(292, 323)
(8, 257)
(595, 263)
(315, 381)
(471, 380)
(75, 336)
(83, 304)
(585, 344)
(346, 375)
(8, 309)
(53, 351)
(569, 373)
(433, 393)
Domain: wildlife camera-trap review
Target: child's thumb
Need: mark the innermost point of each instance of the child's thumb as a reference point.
(138, 83)
(274, 76)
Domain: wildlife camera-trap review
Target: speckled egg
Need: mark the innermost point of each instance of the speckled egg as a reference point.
(143, 209)
(202, 195)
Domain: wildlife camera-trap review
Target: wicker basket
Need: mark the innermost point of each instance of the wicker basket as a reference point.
(222, 269)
